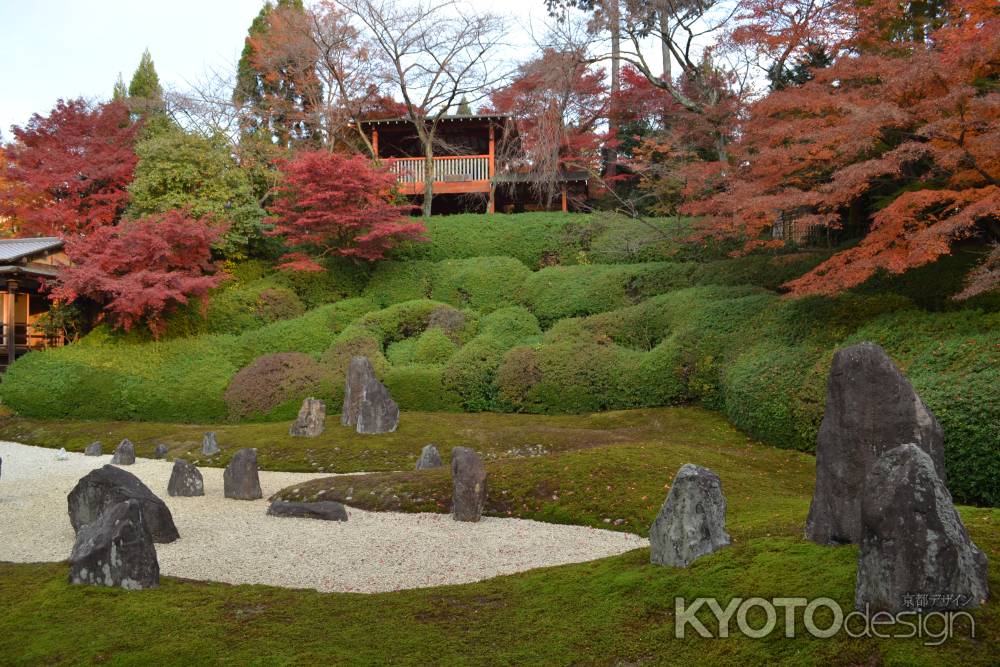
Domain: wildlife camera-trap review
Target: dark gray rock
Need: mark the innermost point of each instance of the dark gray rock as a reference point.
(468, 478)
(124, 453)
(429, 458)
(100, 489)
(368, 406)
(185, 480)
(311, 420)
(240, 480)
(116, 550)
(94, 449)
(160, 452)
(692, 520)
(326, 510)
(912, 540)
(870, 408)
(209, 445)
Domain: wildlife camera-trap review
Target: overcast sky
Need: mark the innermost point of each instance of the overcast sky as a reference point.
(51, 49)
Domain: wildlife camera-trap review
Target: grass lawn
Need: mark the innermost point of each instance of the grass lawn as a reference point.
(610, 470)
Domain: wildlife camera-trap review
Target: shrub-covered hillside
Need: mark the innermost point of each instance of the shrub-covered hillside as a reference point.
(546, 313)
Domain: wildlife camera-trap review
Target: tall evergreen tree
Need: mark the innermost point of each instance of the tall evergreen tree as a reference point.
(145, 83)
(278, 96)
(120, 92)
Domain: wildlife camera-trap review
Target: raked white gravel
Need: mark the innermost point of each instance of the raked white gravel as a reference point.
(234, 541)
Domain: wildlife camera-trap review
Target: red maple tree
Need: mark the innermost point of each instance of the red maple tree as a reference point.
(896, 140)
(69, 171)
(141, 270)
(336, 204)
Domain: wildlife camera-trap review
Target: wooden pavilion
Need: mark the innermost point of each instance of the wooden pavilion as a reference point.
(24, 265)
(469, 161)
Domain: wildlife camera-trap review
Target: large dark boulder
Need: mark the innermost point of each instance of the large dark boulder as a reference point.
(915, 550)
(185, 480)
(240, 479)
(429, 458)
(209, 445)
(101, 488)
(93, 449)
(311, 420)
(692, 520)
(116, 550)
(468, 477)
(870, 408)
(326, 510)
(124, 453)
(368, 406)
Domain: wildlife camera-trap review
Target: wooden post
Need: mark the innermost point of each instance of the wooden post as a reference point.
(491, 207)
(9, 323)
(565, 206)
(375, 141)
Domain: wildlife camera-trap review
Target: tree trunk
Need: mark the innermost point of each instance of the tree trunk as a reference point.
(428, 176)
(665, 41)
(611, 154)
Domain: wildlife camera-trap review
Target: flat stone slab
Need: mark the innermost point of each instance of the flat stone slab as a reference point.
(326, 510)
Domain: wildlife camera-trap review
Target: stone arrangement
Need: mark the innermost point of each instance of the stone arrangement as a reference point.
(101, 488)
(368, 406)
(209, 445)
(94, 449)
(468, 476)
(325, 510)
(870, 408)
(311, 420)
(185, 480)
(240, 479)
(429, 458)
(124, 453)
(116, 549)
(692, 520)
(160, 452)
(912, 539)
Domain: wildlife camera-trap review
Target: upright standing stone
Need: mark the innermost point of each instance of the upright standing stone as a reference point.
(870, 408)
(429, 458)
(209, 445)
(692, 520)
(359, 373)
(311, 420)
(468, 476)
(94, 449)
(124, 453)
(912, 540)
(116, 550)
(103, 487)
(240, 479)
(161, 451)
(368, 406)
(185, 480)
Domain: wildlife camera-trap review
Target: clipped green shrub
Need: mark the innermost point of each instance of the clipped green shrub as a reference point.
(482, 283)
(394, 282)
(420, 387)
(278, 303)
(433, 347)
(400, 353)
(274, 385)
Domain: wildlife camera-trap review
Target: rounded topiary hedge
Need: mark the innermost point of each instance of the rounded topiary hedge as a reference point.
(275, 384)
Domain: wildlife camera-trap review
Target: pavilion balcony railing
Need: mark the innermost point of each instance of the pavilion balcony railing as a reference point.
(448, 168)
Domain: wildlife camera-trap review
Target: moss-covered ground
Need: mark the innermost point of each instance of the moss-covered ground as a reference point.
(610, 470)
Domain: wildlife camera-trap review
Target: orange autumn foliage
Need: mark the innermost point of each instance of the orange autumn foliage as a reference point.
(900, 139)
